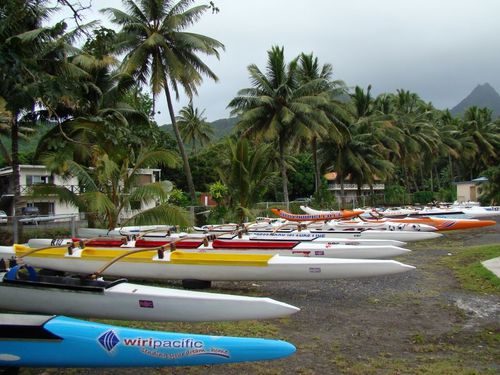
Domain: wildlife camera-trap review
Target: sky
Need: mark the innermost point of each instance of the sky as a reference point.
(440, 49)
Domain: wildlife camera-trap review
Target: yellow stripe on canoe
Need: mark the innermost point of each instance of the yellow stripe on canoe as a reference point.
(220, 259)
(176, 257)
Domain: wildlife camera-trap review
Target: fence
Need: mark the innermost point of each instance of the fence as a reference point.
(17, 229)
(14, 229)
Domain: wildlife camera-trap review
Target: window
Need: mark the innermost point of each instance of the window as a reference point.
(135, 205)
(35, 180)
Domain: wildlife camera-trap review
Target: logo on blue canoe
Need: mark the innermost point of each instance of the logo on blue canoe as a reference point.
(108, 340)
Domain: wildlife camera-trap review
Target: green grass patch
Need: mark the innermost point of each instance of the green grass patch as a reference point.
(473, 276)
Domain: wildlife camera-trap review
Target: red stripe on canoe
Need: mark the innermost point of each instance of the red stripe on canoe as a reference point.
(233, 244)
(178, 245)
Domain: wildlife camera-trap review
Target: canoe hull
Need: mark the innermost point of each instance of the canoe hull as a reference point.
(88, 344)
(210, 267)
(405, 236)
(139, 302)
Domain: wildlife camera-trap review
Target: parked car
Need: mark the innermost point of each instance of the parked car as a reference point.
(30, 211)
(3, 217)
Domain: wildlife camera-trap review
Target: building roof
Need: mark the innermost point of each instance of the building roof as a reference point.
(331, 176)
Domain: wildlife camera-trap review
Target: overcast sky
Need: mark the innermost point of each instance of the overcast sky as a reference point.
(440, 49)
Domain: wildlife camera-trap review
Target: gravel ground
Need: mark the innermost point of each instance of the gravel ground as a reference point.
(417, 322)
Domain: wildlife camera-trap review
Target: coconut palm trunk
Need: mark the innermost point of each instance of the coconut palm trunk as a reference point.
(317, 176)
(15, 166)
(16, 203)
(182, 150)
(283, 172)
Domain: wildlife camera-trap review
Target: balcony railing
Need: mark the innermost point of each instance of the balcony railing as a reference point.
(355, 187)
(27, 189)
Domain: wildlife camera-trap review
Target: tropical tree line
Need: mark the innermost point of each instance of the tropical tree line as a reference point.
(94, 91)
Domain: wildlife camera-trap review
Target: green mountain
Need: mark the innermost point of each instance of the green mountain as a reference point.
(482, 96)
(222, 127)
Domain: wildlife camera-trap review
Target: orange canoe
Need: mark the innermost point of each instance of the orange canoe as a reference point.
(442, 224)
(332, 215)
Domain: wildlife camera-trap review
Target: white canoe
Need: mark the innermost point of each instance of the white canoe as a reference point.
(405, 236)
(313, 237)
(179, 265)
(267, 236)
(246, 246)
(123, 300)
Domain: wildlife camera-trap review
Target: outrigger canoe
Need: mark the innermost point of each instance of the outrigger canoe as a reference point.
(180, 265)
(277, 236)
(246, 246)
(361, 233)
(59, 341)
(122, 300)
(442, 224)
(332, 215)
(395, 233)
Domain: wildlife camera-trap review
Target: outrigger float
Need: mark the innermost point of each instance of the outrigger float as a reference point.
(180, 265)
(31, 291)
(59, 341)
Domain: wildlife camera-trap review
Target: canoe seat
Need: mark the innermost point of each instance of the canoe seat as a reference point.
(17, 327)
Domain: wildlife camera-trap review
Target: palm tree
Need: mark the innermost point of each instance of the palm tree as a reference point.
(309, 71)
(419, 136)
(34, 64)
(247, 176)
(159, 50)
(5, 129)
(194, 127)
(279, 107)
(364, 155)
(100, 114)
(111, 186)
(483, 135)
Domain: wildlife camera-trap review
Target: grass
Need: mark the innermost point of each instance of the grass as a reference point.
(467, 267)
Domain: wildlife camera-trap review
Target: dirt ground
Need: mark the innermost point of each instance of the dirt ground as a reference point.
(419, 322)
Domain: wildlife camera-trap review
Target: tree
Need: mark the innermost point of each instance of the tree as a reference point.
(109, 109)
(309, 71)
(194, 127)
(110, 186)
(247, 175)
(483, 137)
(157, 49)
(279, 107)
(419, 136)
(364, 155)
(34, 66)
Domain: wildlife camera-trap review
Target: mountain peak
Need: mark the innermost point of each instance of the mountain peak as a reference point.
(482, 96)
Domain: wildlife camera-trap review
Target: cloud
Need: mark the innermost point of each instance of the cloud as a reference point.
(439, 49)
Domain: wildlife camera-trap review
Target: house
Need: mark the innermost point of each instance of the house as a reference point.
(32, 175)
(469, 191)
(351, 190)
(38, 174)
(144, 176)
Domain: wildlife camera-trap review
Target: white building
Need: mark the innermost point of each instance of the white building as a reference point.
(469, 191)
(38, 174)
(352, 190)
(33, 175)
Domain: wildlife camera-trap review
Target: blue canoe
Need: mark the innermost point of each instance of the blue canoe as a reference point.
(58, 341)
